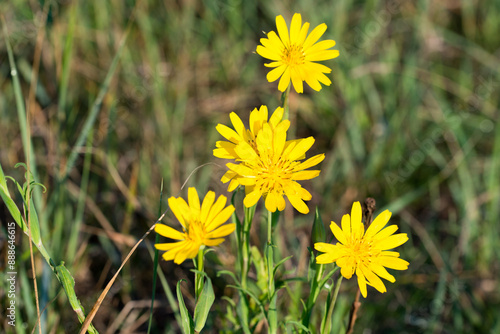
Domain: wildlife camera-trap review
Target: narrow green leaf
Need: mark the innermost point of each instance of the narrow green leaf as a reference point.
(280, 263)
(187, 322)
(68, 284)
(11, 205)
(202, 308)
(298, 324)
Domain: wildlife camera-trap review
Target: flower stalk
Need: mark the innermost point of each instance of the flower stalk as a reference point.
(198, 275)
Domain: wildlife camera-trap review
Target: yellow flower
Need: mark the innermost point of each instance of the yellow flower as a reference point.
(364, 253)
(269, 165)
(295, 55)
(201, 225)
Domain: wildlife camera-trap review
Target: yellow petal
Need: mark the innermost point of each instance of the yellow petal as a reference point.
(346, 226)
(280, 202)
(241, 169)
(245, 151)
(386, 232)
(225, 150)
(275, 43)
(391, 242)
(217, 208)
(303, 34)
(323, 55)
(233, 185)
(220, 219)
(296, 80)
(316, 69)
(338, 233)
(320, 46)
(208, 201)
(228, 133)
(310, 162)
(393, 262)
(324, 247)
(285, 80)
(279, 140)
(276, 117)
(194, 200)
(374, 280)
(361, 282)
(380, 221)
(180, 209)
(222, 231)
(305, 175)
(271, 202)
(313, 82)
(169, 232)
(301, 148)
(346, 269)
(237, 124)
(166, 246)
(252, 198)
(267, 53)
(357, 226)
(314, 35)
(295, 27)
(297, 202)
(325, 258)
(380, 271)
(282, 30)
(214, 242)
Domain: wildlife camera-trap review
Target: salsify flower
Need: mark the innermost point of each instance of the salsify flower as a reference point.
(269, 165)
(202, 225)
(294, 55)
(364, 253)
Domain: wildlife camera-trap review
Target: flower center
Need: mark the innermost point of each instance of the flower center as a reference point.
(361, 251)
(274, 175)
(195, 231)
(293, 55)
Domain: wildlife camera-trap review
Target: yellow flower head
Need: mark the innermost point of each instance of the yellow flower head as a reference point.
(202, 225)
(269, 165)
(364, 253)
(295, 55)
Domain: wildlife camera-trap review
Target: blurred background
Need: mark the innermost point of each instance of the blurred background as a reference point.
(411, 119)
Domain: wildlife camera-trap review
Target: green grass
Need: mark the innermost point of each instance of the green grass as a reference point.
(411, 119)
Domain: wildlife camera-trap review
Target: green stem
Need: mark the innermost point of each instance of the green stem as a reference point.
(284, 101)
(326, 325)
(245, 245)
(198, 277)
(270, 256)
(313, 295)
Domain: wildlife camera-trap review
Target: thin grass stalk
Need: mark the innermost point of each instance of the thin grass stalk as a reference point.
(96, 108)
(75, 231)
(21, 112)
(31, 107)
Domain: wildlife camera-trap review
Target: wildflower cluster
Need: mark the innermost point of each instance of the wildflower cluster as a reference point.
(269, 165)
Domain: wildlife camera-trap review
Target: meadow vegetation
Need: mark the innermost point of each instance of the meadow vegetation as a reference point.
(129, 93)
